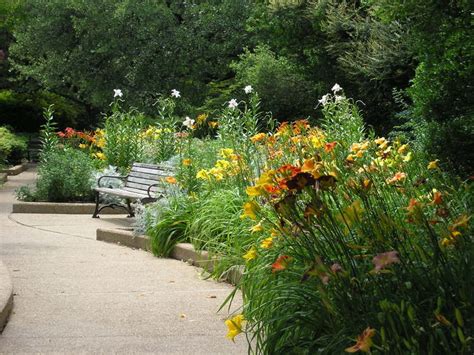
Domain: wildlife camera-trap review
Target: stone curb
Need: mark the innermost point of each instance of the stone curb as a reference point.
(182, 251)
(123, 237)
(61, 208)
(6, 296)
(3, 178)
(15, 170)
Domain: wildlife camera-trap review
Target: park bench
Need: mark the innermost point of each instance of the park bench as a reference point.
(145, 182)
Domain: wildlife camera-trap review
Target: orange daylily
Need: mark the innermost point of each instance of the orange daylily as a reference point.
(437, 198)
(258, 137)
(281, 263)
(397, 177)
(328, 147)
(364, 341)
(171, 180)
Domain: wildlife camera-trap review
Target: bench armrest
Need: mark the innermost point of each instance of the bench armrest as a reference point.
(149, 190)
(111, 177)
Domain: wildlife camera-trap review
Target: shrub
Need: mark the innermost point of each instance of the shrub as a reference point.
(66, 175)
(283, 89)
(12, 147)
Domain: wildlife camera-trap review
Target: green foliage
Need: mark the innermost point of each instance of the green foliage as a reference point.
(371, 56)
(144, 48)
(159, 141)
(441, 90)
(167, 224)
(64, 175)
(123, 137)
(13, 148)
(279, 82)
(216, 227)
(48, 136)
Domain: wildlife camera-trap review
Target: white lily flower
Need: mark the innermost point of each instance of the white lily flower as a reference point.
(324, 100)
(175, 93)
(118, 92)
(233, 103)
(336, 88)
(188, 122)
(338, 98)
(248, 89)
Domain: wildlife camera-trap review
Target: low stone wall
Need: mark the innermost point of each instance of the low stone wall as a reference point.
(15, 170)
(6, 296)
(61, 208)
(182, 251)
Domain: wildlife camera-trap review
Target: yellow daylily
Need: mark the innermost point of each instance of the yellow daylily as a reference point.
(250, 254)
(226, 152)
(234, 326)
(250, 209)
(433, 164)
(256, 228)
(203, 175)
(267, 243)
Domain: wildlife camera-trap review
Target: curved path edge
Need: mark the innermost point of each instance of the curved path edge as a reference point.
(6, 295)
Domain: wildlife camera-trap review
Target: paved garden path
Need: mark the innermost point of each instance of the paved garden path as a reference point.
(74, 294)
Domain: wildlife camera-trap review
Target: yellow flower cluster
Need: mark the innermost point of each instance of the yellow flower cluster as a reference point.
(225, 167)
(154, 133)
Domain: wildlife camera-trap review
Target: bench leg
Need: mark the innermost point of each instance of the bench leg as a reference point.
(96, 212)
(130, 210)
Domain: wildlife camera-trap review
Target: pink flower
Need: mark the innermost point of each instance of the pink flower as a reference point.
(385, 259)
(336, 267)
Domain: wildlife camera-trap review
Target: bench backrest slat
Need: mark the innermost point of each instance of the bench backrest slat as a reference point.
(143, 175)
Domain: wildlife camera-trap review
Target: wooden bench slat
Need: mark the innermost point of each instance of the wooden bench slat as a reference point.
(145, 175)
(143, 181)
(122, 193)
(152, 171)
(148, 177)
(141, 187)
(153, 166)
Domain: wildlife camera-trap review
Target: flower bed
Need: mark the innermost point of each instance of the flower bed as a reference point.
(349, 241)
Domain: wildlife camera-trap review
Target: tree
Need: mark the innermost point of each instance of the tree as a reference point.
(83, 51)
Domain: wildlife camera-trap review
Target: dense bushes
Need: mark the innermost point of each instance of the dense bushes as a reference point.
(65, 176)
(12, 147)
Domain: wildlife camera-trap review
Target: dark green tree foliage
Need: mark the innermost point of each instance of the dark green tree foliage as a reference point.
(372, 58)
(84, 51)
(441, 36)
(282, 87)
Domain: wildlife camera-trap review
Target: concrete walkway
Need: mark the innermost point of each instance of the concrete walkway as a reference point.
(74, 294)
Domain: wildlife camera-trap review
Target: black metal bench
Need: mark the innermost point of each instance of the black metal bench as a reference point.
(145, 182)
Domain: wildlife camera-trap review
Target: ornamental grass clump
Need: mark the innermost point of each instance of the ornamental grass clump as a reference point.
(359, 245)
